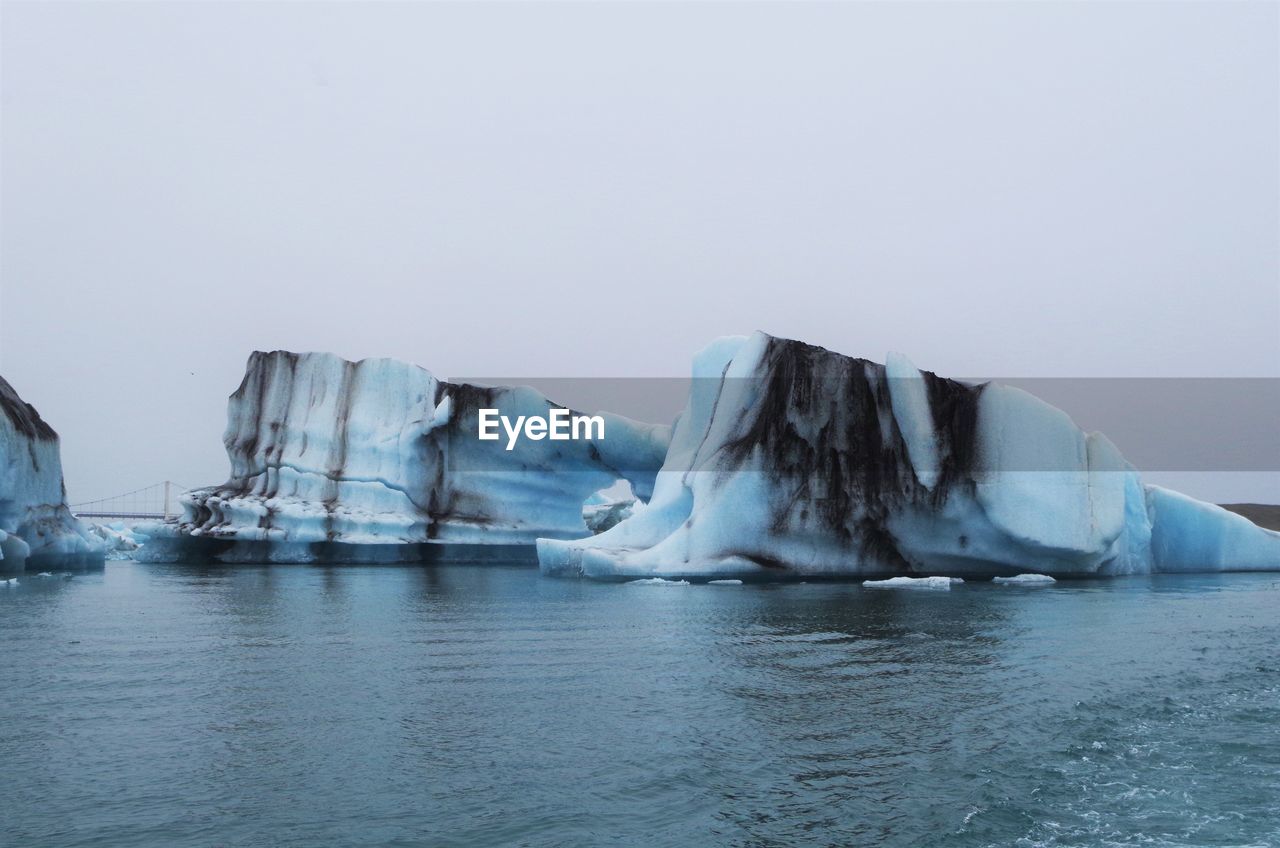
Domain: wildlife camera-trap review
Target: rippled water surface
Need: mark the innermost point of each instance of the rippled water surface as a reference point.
(158, 705)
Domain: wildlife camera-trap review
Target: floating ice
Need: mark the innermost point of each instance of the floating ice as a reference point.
(378, 461)
(36, 527)
(912, 583)
(724, 582)
(1025, 579)
(792, 461)
(657, 581)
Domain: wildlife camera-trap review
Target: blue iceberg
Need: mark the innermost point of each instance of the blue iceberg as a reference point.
(379, 461)
(791, 461)
(37, 529)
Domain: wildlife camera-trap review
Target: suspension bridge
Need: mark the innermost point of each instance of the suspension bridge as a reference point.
(157, 502)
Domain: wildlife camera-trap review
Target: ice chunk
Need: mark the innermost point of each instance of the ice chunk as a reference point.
(724, 582)
(1025, 579)
(657, 581)
(912, 583)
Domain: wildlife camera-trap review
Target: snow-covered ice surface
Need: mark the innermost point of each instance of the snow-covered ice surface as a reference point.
(1026, 579)
(792, 461)
(379, 461)
(37, 530)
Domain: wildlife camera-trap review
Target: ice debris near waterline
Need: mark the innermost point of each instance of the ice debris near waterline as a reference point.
(37, 530)
(121, 541)
(379, 461)
(792, 461)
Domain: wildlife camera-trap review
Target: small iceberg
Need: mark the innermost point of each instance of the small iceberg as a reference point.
(724, 582)
(1026, 579)
(912, 583)
(657, 581)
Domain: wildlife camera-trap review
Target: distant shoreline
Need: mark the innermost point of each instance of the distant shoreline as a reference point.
(1263, 515)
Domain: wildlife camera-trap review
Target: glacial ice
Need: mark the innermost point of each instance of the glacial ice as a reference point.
(792, 461)
(37, 530)
(379, 461)
(1187, 533)
(599, 517)
(119, 540)
(1025, 580)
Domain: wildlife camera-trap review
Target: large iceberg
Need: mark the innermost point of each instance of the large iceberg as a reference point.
(379, 461)
(792, 461)
(37, 530)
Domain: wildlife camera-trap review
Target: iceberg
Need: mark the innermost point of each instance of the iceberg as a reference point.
(1025, 580)
(380, 461)
(935, 582)
(791, 461)
(37, 529)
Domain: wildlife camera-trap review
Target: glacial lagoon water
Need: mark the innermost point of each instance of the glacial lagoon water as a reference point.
(455, 706)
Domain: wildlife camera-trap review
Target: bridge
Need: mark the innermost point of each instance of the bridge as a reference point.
(157, 502)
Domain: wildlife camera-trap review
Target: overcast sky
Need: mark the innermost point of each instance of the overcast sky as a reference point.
(1012, 189)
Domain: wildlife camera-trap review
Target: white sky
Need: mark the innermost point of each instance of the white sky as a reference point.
(1009, 189)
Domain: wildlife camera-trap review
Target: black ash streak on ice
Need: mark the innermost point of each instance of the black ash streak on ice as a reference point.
(25, 420)
(801, 462)
(847, 462)
(811, 472)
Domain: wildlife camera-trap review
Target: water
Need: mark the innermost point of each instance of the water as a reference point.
(154, 705)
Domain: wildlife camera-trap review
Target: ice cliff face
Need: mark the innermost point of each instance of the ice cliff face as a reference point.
(378, 460)
(790, 461)
(36, 528)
